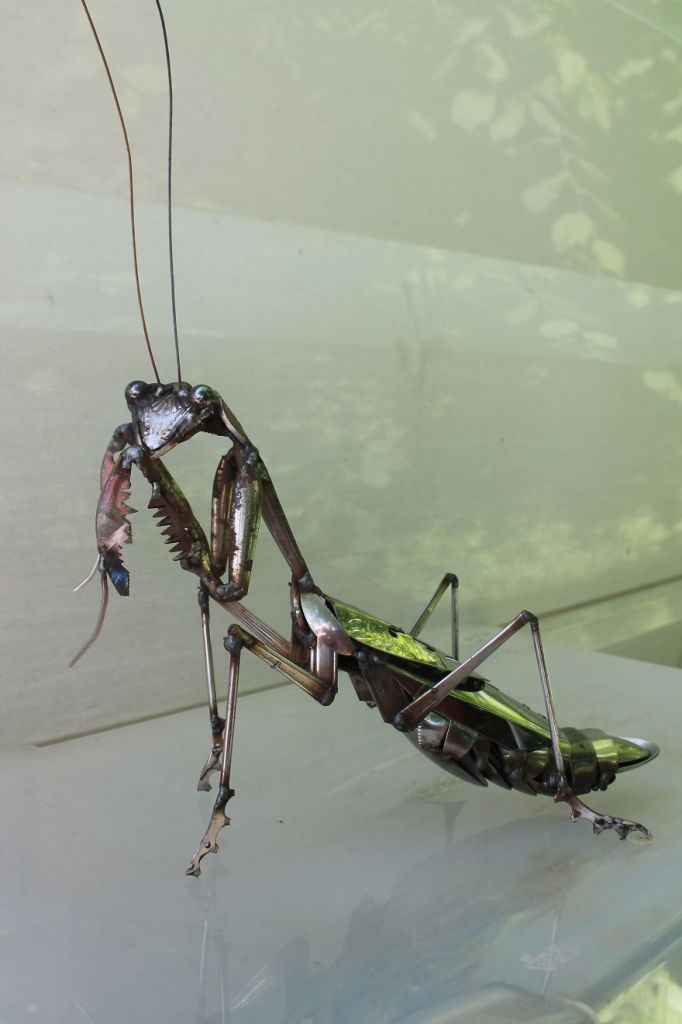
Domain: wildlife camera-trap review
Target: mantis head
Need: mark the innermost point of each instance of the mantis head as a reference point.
(165, 415)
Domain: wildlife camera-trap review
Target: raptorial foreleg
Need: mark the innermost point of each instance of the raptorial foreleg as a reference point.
(112, 528)
(235, 519)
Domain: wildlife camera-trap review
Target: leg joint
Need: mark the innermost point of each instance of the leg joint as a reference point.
(229, 592)
(234, 641)
(217, 724)
(305, 582)
(202, 598)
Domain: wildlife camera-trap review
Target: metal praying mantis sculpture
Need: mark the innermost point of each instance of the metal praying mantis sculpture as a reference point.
(455, 716)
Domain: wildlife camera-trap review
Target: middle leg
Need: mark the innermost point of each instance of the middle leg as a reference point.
(323, 690)
(219, 819)
(216, 722)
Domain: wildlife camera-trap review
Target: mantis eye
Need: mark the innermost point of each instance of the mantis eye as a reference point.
(203, 395)
(135, 390)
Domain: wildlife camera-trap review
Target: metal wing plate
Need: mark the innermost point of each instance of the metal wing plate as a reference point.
(382, 636)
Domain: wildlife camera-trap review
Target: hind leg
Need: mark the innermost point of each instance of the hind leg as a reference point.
(408, 718)
(451, 581)
(600, 822)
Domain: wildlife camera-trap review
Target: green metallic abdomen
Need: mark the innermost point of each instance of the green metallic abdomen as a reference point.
(487, 736)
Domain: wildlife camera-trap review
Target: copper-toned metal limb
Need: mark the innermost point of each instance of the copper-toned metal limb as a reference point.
(415, 712)
(208, 655)
(232, 424)
(209, 842)
(387, 694)
(174, 513)
(549, 700)
(302, 636)
(220, 503)
(277, 524)
(241, 529)
(410, 717)
(601, 822)
(233, 644)
(212, 765)
(324, 663)
(322, 692)
(186, 537)
(266, 634)
(449, 580)
(120, 439)
(216, 722)
(219, 819)
(112, 527)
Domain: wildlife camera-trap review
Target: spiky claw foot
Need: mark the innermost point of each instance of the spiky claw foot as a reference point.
(600, 822)
(213, 764)
(209, 843)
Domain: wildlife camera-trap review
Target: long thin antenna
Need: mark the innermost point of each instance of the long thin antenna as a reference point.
(169, 180)
(131, 190)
